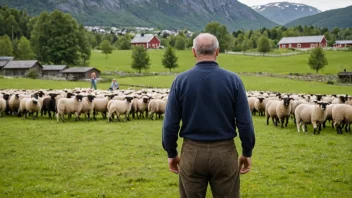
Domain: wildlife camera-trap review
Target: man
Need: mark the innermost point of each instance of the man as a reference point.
(114, 85)
(211, 102)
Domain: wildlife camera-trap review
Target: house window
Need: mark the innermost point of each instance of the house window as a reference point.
(298, 45)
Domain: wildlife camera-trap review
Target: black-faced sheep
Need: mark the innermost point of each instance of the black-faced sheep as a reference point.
(314, 114)
(119, 107)
(341, 114)
(69, 106)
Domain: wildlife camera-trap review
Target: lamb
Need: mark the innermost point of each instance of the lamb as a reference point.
(100, 105)
(251, 101)
(2, 107)
(259, 106)
(119, 107)
(156, 106)
(341, 113)
(49, 105)
(311, 114)
(69, 106)
(140, 105)
(87, 106)
(283, 111)
(32, 106)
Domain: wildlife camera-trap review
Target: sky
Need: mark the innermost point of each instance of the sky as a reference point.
(322, 5)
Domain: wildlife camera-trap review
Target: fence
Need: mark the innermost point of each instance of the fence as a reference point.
(265, 54)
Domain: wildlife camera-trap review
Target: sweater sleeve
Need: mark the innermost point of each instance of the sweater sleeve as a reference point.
(171, 124)
(244, 121)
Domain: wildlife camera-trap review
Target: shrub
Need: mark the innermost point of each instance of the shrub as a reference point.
(330, 82)
(32, 73)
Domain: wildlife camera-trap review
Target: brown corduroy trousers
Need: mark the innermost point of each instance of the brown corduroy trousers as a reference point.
(215, 163)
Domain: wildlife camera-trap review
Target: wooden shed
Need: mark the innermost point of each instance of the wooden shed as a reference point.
(19, 68)
(79, 73)
(3, 61)
(53, 70)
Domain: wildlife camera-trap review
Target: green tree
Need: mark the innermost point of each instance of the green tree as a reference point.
(84, 46)
(180, 43)
(263, 45)
(140, 58)
(106, 47)
(317, 59)
(221, 33)
(6, 48)
(169, 59)
(56, 38)
(24, 50)
(123, 43)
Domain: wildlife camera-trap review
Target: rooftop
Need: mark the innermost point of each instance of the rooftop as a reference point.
(78, 69)
(20, 64)
(142, 39)
(54, 67)
(301, 39)
(344, 42)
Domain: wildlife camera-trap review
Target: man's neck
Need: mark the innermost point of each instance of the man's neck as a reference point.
(206, 58)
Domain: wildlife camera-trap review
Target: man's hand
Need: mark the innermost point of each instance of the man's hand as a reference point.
(173, 164)
(245, 164)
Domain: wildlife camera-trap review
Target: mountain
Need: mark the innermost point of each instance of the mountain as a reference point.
(284, 12)
(173, 14)
(341, 18)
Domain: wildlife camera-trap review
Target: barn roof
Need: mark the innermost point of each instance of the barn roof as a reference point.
(301, 39)
(21, 64)
(79, 70)
(143, 39)
(3, 63)
(344, 42)
(345, 74)
(54, 67)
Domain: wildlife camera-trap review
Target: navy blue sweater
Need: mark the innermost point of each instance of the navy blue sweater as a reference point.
(211, 102)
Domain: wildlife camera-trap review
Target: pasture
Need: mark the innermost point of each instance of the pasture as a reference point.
(40, 158)
(121, 60)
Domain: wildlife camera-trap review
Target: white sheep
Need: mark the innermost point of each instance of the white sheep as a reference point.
(311, 114)
(341, 114)
(329, 115)
(260, 106)
(119, 107)
(283, 111)
(251, 101)
(2, 106)
(32, 106)
(140, 105)
(87, 106)
(69, 106)
(270, 111)
(101, 105)
(339, 100)
(156, 106)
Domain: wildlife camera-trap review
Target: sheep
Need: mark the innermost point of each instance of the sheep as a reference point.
(100, 105)
(270, 111)
(283, 111)
(88, 105)
(156, 106)
(6, 97)
(251, 101)
(339, 100)
(140, 105)
(329, 115)
(294, 105)
(2, 107)
(341, 113)
(311, 114)
(259, 106)
(32, 106)
(49, 105)
(119, 107)
(69, 106)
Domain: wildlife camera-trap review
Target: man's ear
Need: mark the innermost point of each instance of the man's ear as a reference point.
(194, 52)
(217, 51)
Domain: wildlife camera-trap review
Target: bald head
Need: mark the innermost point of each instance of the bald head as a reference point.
(205, 44)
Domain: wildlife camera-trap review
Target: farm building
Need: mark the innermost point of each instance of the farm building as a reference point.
(53, 70)
(19, 68)
(78, 73)
(4, 60)
(343, 44)
(303, 42)
(345, 77)
(149, 41)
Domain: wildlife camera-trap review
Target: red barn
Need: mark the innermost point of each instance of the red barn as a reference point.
(343, 44)
(303, 42)
(149, 41)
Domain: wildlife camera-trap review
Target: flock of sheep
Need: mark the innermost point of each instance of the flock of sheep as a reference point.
(304, 109)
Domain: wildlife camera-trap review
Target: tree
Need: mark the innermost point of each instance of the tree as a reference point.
(123, 43)
(24, 50)
(221, 34)
(140, 58)
(317, 59)
(56, 38)
(6, 48)
(106, 47)
(180, 43)
(264, 45)
(169, 59)
(84, 46)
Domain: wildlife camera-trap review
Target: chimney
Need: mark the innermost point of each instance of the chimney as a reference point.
(142, 35)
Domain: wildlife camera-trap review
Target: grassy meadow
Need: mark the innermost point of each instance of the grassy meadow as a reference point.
(40, 158)
(121, 60)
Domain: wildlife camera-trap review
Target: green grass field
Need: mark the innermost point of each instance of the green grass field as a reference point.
(40, 158)
(121, 61)
(250, 82)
